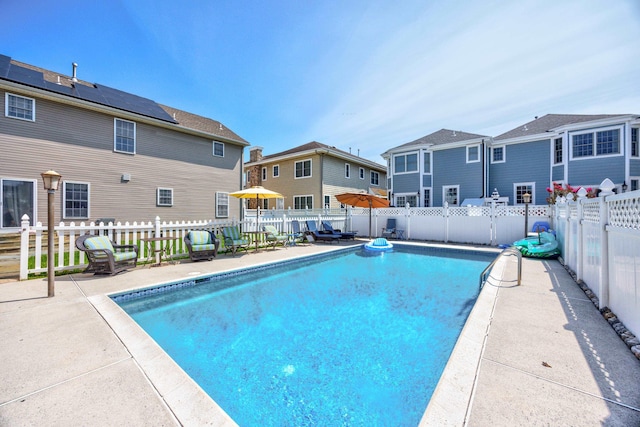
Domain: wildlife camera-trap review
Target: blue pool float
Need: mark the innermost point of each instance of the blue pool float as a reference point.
(380, 244)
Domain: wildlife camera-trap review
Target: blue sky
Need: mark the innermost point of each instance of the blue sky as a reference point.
(361, 75)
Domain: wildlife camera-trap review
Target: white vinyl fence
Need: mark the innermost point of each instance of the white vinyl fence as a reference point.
(600, 241)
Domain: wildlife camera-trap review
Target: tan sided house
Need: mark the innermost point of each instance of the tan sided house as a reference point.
(120, 155)
(310, 175)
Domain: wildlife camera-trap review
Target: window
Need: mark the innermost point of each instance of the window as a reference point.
(302, 202)
(125, 136)
(450, 194)
(375, 178)
(607, 142)
(406, 163)
(20, 107)
(498, 154)
(18, 199)
(520, 189)
(635, 152)
(557, 151)
(402, 200)
(427, 198)
(75, 199)
(427, 163)
(473, 154)
(602, 143)
(347, 170)
(361, 173)
(247, 178)
(327, 202)
(218, 149)
(635, 184)
(222, 205)
(303, 169)
(276, 171)
(164, 197)
(264, 174)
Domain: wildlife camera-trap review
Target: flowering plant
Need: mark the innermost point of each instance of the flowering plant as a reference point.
(569, 192)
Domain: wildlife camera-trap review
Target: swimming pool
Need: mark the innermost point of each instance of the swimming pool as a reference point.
(273, 348)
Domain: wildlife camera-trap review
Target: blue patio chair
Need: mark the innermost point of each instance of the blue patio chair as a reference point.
(296, 233)
(390, 229)
(318, 236)
(346, 235)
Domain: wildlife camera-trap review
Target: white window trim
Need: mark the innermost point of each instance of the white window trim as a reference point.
(326, 205)
(361, 173)
(637, 156)
(595, 154)
(6, 107)
(305, 196)
(273, 171)
(504, 154)
(310, 169)
(531, 184)
(632, 178)
(416, 153)
(444, 194)
(220, 203)
(115, 136)
(478, 153)
(213, 148)
(371, 173)
(158, 190)
(347, 171)
(264, 173)
(64, 199)
(553, 151)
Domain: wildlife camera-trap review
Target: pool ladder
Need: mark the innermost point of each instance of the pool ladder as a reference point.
(508, 251)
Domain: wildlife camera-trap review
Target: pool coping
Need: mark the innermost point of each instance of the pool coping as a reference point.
(192, 406)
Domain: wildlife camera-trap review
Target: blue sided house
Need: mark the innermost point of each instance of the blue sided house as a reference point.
(460, 168)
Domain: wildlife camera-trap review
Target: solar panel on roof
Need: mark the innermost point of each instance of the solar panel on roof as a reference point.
(26, 76)
(5, 62)
(103, 95)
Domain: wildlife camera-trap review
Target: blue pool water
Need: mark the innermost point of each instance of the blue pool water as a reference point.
(345, 339)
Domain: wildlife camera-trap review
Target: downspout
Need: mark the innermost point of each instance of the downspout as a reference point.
(240, 183)
(321, 180)
(484, 170)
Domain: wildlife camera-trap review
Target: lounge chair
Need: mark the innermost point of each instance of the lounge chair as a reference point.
(104, 256)
(390, 229)
(201, 244)
(233, 239)
(274, 237)
(312, 229)
(296, 233)
(346, 235)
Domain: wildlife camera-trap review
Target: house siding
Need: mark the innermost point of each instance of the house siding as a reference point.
(524, 163)
(634, 167)
(78, 144)
(406, 183)
(557, 173)
(450, 167)
(594, 170)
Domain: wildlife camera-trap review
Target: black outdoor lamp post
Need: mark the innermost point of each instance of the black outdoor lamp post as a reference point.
(51, 180)
(526, 197)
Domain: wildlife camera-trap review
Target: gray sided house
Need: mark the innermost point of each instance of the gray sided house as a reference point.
(579, 150)
(120, 155)
(446, 165)
(312, 174)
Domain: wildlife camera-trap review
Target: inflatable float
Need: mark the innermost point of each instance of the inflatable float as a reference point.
(378, 245)
(544, 245)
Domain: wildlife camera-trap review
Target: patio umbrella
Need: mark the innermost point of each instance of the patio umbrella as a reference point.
(363, 200)
(256, 192)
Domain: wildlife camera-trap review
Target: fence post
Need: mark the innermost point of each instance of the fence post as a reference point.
(24, 247)
(606, 189)
(493, 231)
(407, 218)
(157, 233)
(582, 195)
(445, 212)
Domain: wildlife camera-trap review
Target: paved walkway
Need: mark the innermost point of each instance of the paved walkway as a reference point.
(549, 358)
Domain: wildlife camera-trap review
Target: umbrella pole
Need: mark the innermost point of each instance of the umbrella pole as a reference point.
(369, 219)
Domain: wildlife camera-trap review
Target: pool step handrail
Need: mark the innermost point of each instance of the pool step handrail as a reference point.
(508, 251)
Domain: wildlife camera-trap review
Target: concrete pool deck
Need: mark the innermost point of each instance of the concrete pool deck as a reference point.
(536, 354)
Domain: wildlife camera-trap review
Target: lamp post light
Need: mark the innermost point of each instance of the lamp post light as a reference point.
(526, 197)
(51, 180)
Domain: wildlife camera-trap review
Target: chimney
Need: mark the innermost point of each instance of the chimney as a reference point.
(255, 154)
(75, 68)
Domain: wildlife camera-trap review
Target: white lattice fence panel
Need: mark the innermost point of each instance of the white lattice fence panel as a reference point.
(625, 212)
(591, 210)
(592, 256)
(624, 271)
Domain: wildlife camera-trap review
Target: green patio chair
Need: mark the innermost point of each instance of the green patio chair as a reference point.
(274, 237)
(234, 240)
